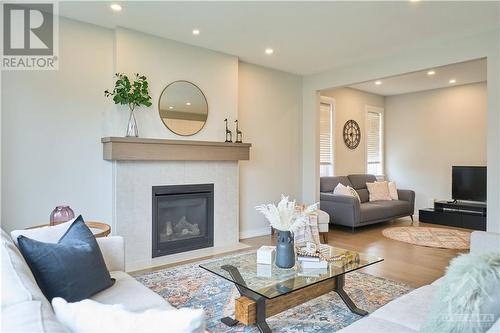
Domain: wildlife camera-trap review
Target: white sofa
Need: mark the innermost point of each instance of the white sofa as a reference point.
(409, 313)
(25, 308)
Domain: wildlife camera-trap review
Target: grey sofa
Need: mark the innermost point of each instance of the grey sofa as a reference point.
(348, 211)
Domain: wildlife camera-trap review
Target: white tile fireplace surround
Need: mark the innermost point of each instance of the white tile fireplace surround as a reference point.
(141, 163)
(132, 205)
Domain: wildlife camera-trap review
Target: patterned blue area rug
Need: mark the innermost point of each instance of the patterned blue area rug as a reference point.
(191, 286)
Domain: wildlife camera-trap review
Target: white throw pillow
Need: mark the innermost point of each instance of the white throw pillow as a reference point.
(89, 316)
(22, 317)
(393, 191)
(354, 193)
(378, 191)
(30, 317)
(20, 288)
(13, 289)
(18, 283)
(47, 234)
(341, 189)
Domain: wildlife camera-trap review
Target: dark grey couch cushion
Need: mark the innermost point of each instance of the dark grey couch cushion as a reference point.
(363, 195)
(359, 181)
(394, 207)
(370, 211)
(380, 210)
(327, 184)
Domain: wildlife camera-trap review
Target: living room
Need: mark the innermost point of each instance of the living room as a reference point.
(413, 129)
(118, 158)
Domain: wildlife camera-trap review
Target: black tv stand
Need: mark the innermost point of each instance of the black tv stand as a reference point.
(462, 214)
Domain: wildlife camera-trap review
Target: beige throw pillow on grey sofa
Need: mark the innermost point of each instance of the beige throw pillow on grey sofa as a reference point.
(393, 191)
(378, 191)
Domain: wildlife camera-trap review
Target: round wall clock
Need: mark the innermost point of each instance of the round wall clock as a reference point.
(352, 134)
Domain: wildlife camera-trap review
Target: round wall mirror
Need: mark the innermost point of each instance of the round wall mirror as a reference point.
(183, 108)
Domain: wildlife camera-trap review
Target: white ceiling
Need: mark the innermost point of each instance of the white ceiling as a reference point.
(307, 37)
(464, 73)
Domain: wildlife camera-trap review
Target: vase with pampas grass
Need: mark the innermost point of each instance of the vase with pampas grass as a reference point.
(286, 219)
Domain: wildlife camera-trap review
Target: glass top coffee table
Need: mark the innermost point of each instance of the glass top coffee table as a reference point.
(267, 290)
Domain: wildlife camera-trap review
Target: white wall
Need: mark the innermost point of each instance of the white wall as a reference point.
(350, 104)
(419, 57)
(428, 132)
(52, 122)
(269, 112)
(164, 61)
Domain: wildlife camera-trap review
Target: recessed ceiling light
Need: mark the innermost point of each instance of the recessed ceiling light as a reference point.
(116, 7)
(188, 103)
(414, 0)
(170, 107)
(196, 32)
(453, 81)
(378, 83)
(431, 72)
(269, 51)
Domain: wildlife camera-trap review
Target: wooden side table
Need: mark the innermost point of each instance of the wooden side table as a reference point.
(99, 229)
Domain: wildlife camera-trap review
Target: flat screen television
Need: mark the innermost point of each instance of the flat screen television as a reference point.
(469, 183)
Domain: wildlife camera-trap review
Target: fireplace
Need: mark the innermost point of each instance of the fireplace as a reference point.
(183, 218)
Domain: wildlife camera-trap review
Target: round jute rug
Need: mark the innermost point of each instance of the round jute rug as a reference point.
(432, 237)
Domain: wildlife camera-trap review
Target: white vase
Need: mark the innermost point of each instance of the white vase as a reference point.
(132, 129)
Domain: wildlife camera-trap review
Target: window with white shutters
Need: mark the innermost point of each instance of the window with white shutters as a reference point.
(326, 139)
(374, 141)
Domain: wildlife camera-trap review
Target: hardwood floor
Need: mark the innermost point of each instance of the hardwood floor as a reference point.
(411, 264)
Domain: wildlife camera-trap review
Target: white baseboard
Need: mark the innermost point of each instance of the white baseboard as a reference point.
(255, 232)
(184, 256)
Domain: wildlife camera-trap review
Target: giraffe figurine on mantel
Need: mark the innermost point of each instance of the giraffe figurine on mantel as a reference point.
(229, 134)
(239, 135)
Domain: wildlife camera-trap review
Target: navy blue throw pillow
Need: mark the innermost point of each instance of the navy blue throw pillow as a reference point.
(73, 269)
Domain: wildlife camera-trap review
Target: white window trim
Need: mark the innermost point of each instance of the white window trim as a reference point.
(331, 101)
(371, 108)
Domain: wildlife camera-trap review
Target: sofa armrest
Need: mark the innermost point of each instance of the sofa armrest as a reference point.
(113, 251)
(484, 242)
(409, 196)
(406, 195)
(343, 209)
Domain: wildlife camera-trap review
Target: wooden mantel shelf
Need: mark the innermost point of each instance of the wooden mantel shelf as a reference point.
(139, 149)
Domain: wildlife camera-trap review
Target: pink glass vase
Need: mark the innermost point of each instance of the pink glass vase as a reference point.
(61, 214)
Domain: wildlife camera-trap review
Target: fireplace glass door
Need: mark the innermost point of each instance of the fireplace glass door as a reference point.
(182, 218)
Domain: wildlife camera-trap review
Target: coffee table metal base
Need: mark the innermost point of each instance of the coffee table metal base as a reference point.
(339, 289)
(261, 301)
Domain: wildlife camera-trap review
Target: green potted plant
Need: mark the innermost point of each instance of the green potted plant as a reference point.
(134, 95)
